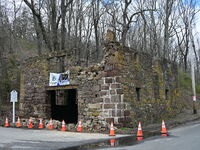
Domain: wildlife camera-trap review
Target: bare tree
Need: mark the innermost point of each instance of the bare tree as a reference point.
(54, 24)
(96, 18)
(64, 5)
(37, 14)
(168, 11)
(187, 12)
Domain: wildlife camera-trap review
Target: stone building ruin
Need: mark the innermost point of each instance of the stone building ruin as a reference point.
(126, 87)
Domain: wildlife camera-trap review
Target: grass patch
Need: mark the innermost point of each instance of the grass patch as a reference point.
(198, 89)
(124, 128)
(186, 82)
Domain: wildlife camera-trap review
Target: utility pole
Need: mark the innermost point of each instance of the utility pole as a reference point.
(192, 72)
(193, 89)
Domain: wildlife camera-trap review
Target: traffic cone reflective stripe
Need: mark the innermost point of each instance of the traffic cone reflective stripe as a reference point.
(112, 142)
(79, 128)
(18, 124)
(164, 130)
(6, 123)
(30, 123)
(139, 138)
(112, 130)
(41, 124)
(139, 132)
(63, 126)
(50, 124)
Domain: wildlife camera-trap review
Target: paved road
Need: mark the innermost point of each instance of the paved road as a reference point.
(183, 138)
(17, 139)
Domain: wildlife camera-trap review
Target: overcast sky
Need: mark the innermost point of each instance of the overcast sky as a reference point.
(198, 23)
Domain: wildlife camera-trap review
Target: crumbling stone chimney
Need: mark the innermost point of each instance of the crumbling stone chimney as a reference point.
(110, 36)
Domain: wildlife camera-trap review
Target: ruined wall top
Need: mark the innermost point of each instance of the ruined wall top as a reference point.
(115, 53)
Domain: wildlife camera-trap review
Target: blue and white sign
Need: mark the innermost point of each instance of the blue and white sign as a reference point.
(13, 96)
(13, 99)
(59, 79)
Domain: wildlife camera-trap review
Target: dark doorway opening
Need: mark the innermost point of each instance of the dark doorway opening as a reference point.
(166, 94)
(138, 93)
(64, 105)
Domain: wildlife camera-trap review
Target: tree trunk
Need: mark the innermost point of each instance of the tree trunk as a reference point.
(39, 36)
(96, 18)
(185, 62)
(53, 25)
(144, 43)
(69, 24)
(40, 23)
(168, 9)
(63, 28)
(124, 34)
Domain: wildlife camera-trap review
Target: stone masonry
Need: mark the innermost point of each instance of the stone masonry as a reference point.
(126, 87)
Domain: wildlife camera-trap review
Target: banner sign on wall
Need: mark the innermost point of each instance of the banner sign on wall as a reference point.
(59, 79)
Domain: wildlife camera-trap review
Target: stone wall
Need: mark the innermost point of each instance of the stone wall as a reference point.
(126, 87)
(34, 79)
(157, 84)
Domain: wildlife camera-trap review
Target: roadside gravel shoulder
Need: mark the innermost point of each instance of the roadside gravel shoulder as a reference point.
(185, 117)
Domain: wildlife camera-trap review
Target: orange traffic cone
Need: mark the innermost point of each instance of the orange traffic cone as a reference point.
(18, 124)
(80, 128)
(30, 123)
(164, 130)
(64, 128)
(139, 138)
(112, 142)
(41, 124)
(50, 124)
(6, 123)
(139, 132)
(112, 130)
